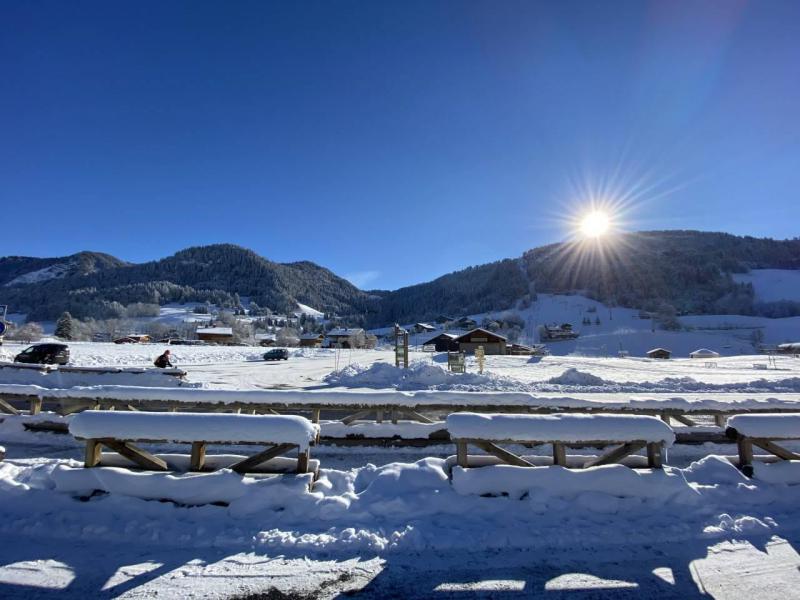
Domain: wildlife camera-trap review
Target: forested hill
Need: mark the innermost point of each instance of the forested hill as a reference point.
(664, 271)
(218, 274)
(668, 271)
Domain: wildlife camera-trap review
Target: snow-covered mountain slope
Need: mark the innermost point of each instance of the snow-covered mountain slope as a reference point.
(772, 285)
(52, 272)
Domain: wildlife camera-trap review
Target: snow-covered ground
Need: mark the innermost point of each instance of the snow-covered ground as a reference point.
(394, 529)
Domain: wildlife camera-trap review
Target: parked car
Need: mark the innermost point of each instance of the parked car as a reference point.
(44, 354)
(277, 354)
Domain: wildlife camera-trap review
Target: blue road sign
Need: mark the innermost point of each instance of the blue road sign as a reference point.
(2, 328)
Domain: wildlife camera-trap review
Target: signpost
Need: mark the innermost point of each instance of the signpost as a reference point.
(480, 356)
(400, 347)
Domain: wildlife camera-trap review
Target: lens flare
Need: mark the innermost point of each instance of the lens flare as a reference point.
(595, 224)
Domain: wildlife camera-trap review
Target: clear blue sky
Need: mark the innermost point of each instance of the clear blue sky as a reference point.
(390, 142)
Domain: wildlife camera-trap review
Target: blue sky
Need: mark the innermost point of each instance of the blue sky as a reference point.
(391, 142)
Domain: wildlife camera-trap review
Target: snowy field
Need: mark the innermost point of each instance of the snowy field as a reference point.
(388, 522)
(221, 367)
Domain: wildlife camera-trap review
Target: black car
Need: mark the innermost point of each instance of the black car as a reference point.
(277, 354)
(44, 354)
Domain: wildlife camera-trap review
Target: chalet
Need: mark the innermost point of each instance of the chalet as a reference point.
(789, 348)
(345, 337)
(311, 340)
(266, 339)
(491, 342)
(441, 319)
(703, 353)
(444, 342)
(466, 323)
(661, 353)
(216, 335)
(422, 328)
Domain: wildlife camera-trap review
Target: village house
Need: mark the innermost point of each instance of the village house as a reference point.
(266, 339)
(422, 328)
(345, 337)
(311, 340)
(216, 335)
(444, 342)
(661, 353)
(492, 343)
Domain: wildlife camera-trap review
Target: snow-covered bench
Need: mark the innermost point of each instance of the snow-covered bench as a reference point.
(119, 430)
(762, 430)
(628, 433)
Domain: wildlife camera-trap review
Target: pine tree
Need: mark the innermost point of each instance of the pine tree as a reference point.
(65, 328)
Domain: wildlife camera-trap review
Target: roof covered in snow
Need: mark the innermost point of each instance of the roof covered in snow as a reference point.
(216, 330)
(345, 331)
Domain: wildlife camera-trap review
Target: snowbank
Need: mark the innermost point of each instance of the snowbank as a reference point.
(610, 481)
(766, 426)
(223, 486)
(564, 428)
(52, 376)
(194, 427)
(685, 402)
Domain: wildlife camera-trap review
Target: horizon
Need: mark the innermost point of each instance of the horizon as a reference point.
(375, 289)
(366, 138)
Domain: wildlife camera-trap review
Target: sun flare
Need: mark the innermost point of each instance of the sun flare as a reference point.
(595, 224)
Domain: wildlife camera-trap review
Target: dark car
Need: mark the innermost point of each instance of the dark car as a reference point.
(277, 354)
(44, 354)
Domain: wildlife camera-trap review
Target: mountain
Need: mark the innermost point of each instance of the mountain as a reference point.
(20, 270)
(667, 272)
(218, 274)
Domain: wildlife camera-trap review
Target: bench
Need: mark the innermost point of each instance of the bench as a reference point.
(762, 430)
(627, 433)
(120, 431)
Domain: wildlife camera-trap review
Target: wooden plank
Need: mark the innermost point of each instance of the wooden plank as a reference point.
(246, 465)
(136, 455)
(412, 414)
(745, 447)
(719, 420)
(501, 453)
(379, 416)
(315, 415)
(302, 461)
(559, 454)
(654, 459)
(775, 449)
(684, 420)
(36, 405)
(461, 454)
(393, 416)
(131, 408)
(92, 456)
(356, 416)
(615, 454)
(665, 418)
(7, 408)
(198, 458)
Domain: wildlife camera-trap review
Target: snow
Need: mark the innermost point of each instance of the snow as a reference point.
(558, 427)
(215, 330)
(308, 311)
(194, 427)
(784, 426)
(771, 285)
(703, 353)
(55, 271)
(53, 376)
(604, 489)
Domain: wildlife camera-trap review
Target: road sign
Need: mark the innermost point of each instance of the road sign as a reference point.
(429, 348)
(2, 328)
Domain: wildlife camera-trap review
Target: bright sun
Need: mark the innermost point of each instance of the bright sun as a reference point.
(595, 224)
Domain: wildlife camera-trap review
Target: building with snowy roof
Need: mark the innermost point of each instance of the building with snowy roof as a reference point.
(215, 335)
